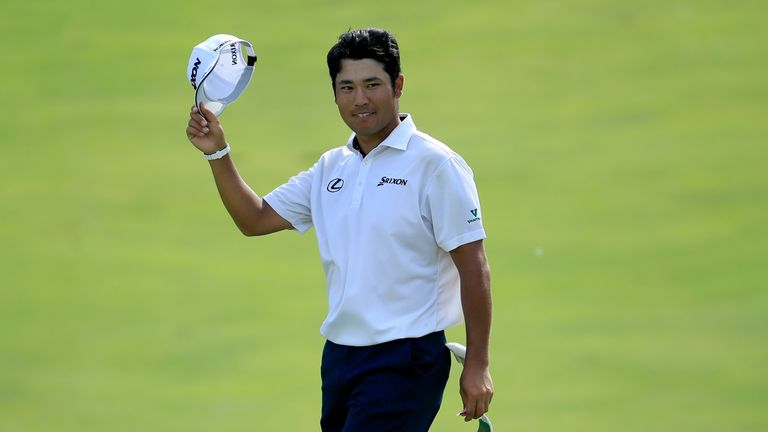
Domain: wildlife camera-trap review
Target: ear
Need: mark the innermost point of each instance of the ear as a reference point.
(399, 86)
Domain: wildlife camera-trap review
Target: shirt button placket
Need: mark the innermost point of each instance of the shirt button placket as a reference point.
(361, 180)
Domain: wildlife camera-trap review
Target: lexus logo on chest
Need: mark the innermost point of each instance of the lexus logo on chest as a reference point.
(335, 185)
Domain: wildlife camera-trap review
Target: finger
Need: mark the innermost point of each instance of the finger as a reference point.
(489, 398)
(200, 127)
(198, 117)
(198, 122)
(196, 114)
(471, 411)
(482, 407)
(192, 132)
(465, 402)
(208, 114)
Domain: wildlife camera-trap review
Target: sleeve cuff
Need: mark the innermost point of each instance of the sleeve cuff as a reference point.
(300, 227)
(462, 240)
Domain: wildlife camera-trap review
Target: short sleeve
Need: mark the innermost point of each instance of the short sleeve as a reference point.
(452, 205)
(292, 200)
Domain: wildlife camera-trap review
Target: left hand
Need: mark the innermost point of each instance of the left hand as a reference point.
(476, 389)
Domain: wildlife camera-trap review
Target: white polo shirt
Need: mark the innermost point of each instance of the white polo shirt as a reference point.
(385, 224)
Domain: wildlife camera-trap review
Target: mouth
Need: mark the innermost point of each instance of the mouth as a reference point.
(362, 115)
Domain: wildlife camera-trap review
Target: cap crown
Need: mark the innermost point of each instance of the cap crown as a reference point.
(220, 69)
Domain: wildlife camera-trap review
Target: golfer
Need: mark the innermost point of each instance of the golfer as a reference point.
(400, 234)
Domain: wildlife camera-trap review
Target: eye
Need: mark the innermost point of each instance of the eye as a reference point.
(373, 84)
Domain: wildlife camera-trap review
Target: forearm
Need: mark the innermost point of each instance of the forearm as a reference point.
(477, 305)
(243, 204)
(251, 214)
(475, 279)
(476, 386)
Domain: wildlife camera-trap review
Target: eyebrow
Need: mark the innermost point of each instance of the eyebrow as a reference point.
(367, 80)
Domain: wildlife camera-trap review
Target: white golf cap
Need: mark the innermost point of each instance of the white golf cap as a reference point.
(219, 70)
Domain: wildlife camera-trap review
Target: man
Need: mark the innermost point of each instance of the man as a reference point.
(399, 230)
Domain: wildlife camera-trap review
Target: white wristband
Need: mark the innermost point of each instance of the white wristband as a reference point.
(217, 155)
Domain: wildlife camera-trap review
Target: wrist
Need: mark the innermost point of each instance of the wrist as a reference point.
(477, 357)
(476, 362)
(217, 154)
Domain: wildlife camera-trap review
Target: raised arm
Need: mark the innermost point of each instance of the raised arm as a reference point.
(251, 214)
(476, 385)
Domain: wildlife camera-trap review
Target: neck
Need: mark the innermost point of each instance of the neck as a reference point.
(366, 144)
(369, 142)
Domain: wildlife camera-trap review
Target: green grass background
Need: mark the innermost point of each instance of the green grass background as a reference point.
(620, 152)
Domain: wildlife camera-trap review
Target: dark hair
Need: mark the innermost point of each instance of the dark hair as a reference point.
(370, 43)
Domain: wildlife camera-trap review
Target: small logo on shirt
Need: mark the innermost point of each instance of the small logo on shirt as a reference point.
(394, 181)
(474, 214)
(335, 185)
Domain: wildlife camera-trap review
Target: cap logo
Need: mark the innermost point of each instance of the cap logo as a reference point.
(233, 50)
(193, 78)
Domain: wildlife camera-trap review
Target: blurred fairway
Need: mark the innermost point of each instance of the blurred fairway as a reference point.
(617, 147)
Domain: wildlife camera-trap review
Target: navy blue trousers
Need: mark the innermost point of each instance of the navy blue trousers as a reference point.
(394, 386)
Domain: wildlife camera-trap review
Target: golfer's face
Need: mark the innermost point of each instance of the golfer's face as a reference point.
(366, 100)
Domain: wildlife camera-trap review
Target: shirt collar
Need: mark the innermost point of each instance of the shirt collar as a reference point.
(398, 138)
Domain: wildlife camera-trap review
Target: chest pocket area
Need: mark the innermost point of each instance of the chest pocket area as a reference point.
(393, 206)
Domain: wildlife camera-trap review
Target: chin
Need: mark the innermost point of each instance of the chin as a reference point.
(360, 129)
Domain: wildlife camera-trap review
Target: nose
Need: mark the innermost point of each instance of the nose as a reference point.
(360, 98)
